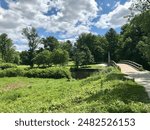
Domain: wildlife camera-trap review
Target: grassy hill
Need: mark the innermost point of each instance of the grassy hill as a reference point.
(106, 91)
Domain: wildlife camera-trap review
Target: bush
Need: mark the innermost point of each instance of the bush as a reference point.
(12, 72)
(7, 65)
(56, 73)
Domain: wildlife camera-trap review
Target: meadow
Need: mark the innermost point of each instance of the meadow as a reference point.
(104, 91)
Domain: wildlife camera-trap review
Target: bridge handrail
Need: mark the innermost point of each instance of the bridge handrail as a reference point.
(113, 63)
(133, 64)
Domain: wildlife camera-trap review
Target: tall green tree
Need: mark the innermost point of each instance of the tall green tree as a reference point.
(112, 39)
(131, 35)
(142, 21)
(96, 45)
(82, 56)
(6, 48)
(33, 41)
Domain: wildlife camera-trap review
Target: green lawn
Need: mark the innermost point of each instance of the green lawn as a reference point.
(107, 91)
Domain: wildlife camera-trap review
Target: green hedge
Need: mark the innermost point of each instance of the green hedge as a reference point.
(7, 65)
(12, 72)
(56, 73)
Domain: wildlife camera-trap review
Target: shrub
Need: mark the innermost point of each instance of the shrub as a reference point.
(56, 73)
(7, 65)
(12, 72)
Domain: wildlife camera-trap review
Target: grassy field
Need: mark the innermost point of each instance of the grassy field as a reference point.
(107, 91)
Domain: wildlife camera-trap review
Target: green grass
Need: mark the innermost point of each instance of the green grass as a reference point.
(107, 91)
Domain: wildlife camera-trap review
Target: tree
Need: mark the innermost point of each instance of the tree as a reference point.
(112, 38)
(82, 56)
(78, 57)
(60, 56)
(16, 58)
(50, 43)
(141, 5)
(43, 58)
(25, 58)
(68, 47)
(6, 48)
(33, 41)
(95, 44)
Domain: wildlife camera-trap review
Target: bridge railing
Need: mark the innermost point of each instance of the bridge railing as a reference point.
(133, 64)
(113, 63)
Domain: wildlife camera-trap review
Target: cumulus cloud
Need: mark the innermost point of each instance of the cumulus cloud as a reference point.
(116, 18)
(23, 13)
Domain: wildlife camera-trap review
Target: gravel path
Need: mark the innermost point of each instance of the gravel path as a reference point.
(140, 77)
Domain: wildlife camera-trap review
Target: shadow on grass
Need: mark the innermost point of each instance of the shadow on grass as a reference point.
(115, 76)
(123, 91)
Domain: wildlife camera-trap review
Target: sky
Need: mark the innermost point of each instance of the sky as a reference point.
(63, 19)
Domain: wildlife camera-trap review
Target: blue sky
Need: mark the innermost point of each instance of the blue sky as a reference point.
(63, 19)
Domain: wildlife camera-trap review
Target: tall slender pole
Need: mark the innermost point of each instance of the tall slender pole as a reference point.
(109, 59)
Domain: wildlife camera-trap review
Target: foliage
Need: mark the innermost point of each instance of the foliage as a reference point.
(16, 58)
(107, 91)
(112, 38)
(50, 43)
(96, 45)
(135, 40)
(25, 58)
(12, 72)
(6, 48)
(82, 56)
(7, 65)
(33, 41)
(56, 73)
(60, 57)
(68, 47)
(43, 58)
(141, 5)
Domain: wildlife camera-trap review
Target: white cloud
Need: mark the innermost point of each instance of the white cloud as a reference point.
(23, 13)
(115, 18)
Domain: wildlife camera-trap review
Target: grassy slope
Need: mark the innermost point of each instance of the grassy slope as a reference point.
(107, 91)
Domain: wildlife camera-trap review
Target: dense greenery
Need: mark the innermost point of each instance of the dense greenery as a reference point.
(60, 57)
(7, 50)
(7, 65)
(54, 72)
(43, 58)
(107, 91)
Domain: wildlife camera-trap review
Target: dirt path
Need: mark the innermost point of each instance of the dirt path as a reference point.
(141, 77)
